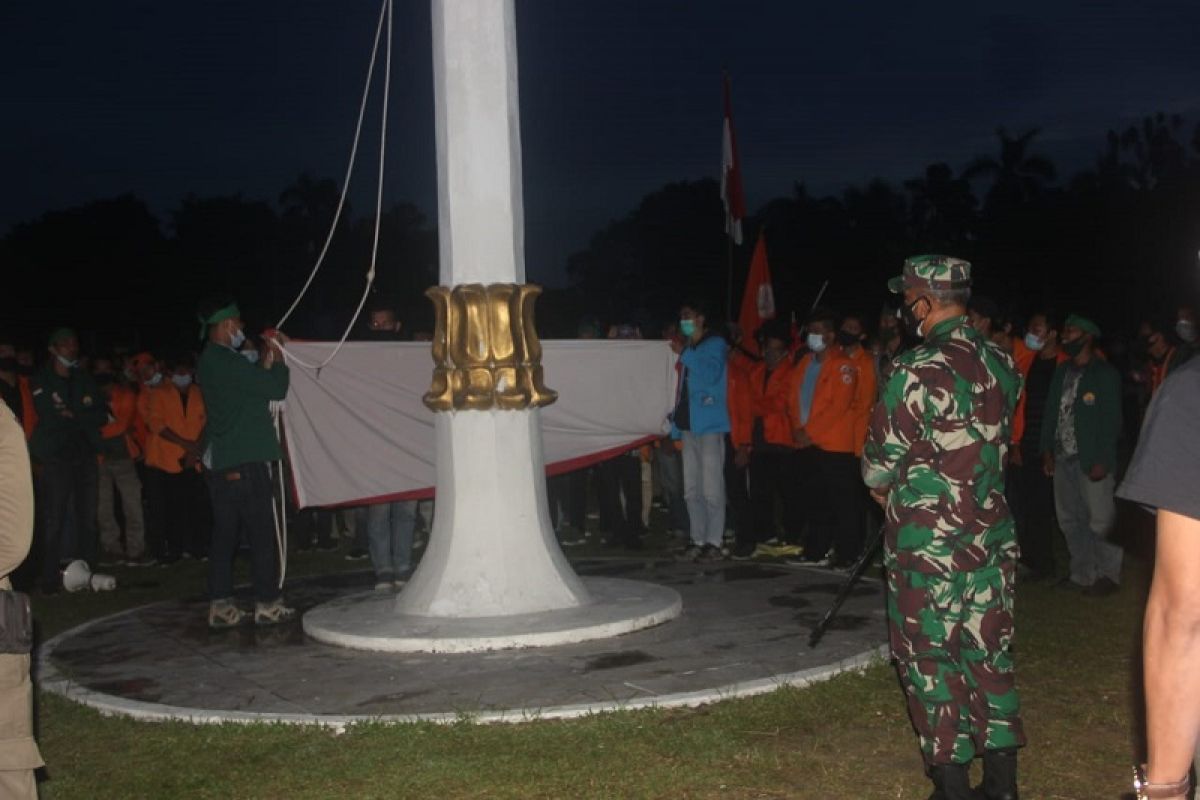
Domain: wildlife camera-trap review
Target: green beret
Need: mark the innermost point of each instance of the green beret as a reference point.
(1083, 323)
(932, 272)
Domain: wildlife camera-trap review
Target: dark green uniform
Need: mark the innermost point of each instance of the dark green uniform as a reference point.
(939, 439)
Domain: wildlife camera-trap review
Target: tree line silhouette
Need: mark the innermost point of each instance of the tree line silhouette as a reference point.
(1118, 240)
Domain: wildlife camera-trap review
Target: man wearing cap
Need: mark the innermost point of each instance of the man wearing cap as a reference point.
(70, 412)
(1080, 427)
(241, 444)
(934, 459)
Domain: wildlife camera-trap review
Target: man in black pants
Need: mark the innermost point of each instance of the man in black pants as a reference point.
(70, 413)
(1035, 511)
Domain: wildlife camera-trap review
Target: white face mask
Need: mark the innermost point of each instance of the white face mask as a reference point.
(816, 342)
(156, 380)
(1186, 330)
(67, 362)
(1034, 342)
(250, 355)
(237, 339)
(182, 381)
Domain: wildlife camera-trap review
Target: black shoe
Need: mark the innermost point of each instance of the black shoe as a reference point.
(999, 775)
(951, 782)
(743, 551)
(1071, 586)
(1103, 587)
(356, 554)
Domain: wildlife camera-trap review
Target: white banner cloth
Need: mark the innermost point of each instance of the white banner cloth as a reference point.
(360, 433)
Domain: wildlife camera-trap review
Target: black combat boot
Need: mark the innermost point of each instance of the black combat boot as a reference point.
(999, 774)
(951, 782)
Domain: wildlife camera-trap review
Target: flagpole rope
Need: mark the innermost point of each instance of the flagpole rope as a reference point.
(387, 77)
(337, 214)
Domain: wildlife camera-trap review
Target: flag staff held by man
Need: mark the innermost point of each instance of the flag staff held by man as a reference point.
(934, 458)
(241, 444)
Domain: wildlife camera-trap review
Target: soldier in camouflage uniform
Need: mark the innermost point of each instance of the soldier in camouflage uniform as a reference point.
(934, 458)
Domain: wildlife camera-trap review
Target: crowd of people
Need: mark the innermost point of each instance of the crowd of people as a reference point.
(976, 433)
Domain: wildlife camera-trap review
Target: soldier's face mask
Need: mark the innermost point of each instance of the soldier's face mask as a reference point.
(908, 313)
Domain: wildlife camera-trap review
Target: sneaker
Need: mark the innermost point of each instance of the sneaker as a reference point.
(788, 550)
(356, 554)
(144, 561)
(384, 586)
(709, 553)
(691, 553)
(272, 613)
(224, 614)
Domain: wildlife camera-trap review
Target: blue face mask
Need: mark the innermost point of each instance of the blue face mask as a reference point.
(1034, 342)
(250, 355)
(687, 327)
(238, 339)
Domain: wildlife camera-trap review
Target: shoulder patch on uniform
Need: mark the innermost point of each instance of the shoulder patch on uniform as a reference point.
(1089, 398)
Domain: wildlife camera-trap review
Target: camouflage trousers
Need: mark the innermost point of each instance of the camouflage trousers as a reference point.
(951, 640)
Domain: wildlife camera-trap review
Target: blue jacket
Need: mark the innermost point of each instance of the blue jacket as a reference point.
(705, 368)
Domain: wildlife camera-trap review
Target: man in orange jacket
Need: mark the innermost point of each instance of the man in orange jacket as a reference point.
(821, 408)
(762, 435)
(175, 494)
(118, 450)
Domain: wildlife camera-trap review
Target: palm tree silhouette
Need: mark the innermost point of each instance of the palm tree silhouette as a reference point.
(1017, 176)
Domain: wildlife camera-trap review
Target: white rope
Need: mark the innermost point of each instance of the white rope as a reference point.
(387, 79)
(337, 215)
(280, 513)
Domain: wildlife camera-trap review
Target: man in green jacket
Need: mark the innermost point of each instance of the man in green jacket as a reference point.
(1079, 449)
(240, 435)
(70, 412)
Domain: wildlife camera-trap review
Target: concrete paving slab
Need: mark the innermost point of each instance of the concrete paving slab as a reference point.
(742, 631)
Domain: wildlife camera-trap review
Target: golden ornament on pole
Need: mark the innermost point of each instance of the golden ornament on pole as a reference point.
(486, 349)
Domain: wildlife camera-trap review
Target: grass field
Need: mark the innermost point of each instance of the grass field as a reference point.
(848, 738)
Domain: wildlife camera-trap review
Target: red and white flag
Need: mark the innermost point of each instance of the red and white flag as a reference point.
(731, 176)
(758, 301)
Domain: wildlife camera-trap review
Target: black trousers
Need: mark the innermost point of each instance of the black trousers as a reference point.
(67, 494)
(616, 477)
(831, 506)
(772, 480)
(739, 510)
(178, 515)
(1034, 511)
(577, 497)
(241, 503)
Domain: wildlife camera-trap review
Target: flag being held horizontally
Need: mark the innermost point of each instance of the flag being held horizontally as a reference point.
(758, 301)
(731, 176)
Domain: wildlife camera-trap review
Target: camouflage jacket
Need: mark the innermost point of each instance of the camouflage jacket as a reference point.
(939, 438)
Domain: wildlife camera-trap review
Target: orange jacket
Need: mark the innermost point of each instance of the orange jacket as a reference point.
(831, 420)
(164, 409)
(768, 402)
(123, 403)
(1025, 358)
(28, 412)
(864, 397)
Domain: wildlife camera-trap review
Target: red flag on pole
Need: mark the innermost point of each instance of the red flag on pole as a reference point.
(758, 301)
(731, 176)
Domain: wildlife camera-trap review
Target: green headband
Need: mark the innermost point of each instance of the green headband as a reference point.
(220, 315)
(1083, 323)
(61, 333)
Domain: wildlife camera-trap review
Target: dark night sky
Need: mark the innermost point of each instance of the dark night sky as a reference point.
(618, 97)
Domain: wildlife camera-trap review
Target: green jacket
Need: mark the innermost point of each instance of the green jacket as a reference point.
(236, 395)
(59, 437)
(1097, 413)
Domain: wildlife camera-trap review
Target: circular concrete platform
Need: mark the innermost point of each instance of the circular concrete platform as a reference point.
(742, 631)
(369, 621)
